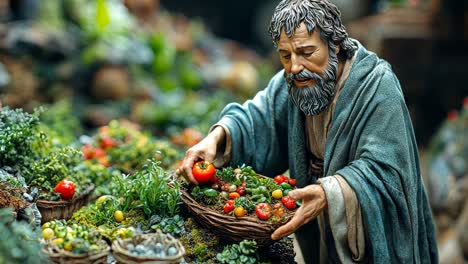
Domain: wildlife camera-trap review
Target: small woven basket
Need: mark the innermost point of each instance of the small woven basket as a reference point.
(230, 227)
(57, 255)
(51, 210)
(122, 255)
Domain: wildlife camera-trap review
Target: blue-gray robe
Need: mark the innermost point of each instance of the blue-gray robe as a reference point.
(371, 144)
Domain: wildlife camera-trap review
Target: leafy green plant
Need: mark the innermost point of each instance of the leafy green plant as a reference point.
(151, 189)
(19, 243)
(172, 225)
(102, 219)
(226, 174)
(155, 194)
(59, 123)
(46, 171)
(100, 175)
(18, 130)
(243, 253)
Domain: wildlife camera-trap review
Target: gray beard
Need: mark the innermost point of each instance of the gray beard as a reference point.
(314, 99)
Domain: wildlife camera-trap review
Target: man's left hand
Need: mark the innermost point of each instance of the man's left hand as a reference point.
(313, 202)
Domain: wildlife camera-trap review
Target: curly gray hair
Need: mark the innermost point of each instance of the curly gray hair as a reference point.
(289, 14)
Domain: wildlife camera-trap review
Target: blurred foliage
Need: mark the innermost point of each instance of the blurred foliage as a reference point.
(18, 131)
(447, 159)
(19, 243)
(60, 124)
(126, 148)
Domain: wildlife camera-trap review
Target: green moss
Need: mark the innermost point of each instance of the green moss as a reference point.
(200, 244)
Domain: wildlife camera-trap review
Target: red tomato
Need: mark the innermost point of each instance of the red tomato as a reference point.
(66, 189)
(88, 152)
(99, 152)
(279, 179)
(292, 182)
(263, 211)
(203, 171)
(241, 190)
(107, 142)
(288, 202)
(229, 206)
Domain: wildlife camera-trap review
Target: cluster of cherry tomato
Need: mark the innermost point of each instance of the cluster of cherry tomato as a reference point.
(104, 142)
(280, 179)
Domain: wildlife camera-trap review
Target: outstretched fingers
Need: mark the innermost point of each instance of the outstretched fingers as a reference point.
(289, 227)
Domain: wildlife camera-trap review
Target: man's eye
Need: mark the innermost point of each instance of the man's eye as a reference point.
(286, 57)
(307, 54)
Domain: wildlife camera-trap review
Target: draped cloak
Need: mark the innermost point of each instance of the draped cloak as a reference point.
(371, 144)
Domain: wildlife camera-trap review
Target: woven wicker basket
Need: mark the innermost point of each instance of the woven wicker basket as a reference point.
(57, 255)
(122, 255)
(51, 210)
(230, 227)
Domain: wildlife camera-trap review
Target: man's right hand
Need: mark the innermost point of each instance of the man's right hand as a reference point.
(204, 150)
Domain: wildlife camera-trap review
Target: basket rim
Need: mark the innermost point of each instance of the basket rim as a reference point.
(117, 248)
(55, 252)
(288, 214)
(62, 202)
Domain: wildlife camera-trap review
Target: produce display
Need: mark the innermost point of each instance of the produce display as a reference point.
(122, 145)
(75, 238)
(97, 108)
(135, 196)
(241, 192)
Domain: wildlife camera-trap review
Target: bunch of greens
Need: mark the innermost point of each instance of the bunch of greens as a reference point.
(243, 253)
(18, 133)
(150, 188)
(19, 243)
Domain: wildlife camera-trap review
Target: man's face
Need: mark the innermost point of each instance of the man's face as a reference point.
(310, 69)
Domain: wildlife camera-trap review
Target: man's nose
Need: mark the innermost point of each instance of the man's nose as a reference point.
(296, 65)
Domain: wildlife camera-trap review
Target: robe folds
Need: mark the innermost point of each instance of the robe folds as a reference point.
(371, 144)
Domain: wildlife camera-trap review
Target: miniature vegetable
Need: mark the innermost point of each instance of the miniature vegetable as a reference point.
(66, 189)
(203, 171)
